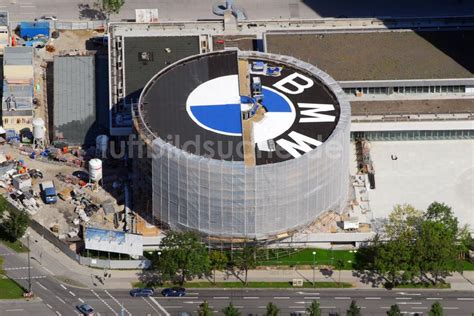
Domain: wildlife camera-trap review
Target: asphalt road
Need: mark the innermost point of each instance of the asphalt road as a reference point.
(261, 9)
(60, 299)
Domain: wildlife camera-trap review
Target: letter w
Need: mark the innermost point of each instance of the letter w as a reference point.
(314, 115)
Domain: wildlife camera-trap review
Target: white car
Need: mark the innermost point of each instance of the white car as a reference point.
(47, 18)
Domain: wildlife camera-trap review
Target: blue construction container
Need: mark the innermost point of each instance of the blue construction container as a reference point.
(28, 30)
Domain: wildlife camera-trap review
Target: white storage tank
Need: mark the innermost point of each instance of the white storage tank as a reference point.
(38, 128)
(101, 145)
(95, 170)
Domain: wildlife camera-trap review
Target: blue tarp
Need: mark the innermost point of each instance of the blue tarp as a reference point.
(30, 29)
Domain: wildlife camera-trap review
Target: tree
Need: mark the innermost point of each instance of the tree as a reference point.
(272, 310)
(437, 250)
(204, 309)
(230, 310)
(183, 257)
(218, 261)
(442, 213)
(404, 219)
(245, 260)
(436, 310)
(314, 309)
(110, 6)
(394, 311)
(353, 310)
(15, 224)
(339, 265)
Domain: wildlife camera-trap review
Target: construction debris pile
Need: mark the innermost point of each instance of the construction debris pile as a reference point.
(17, 180)
(70, 156)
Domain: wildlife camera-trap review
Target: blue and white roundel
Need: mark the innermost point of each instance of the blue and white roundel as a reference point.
(215, 105)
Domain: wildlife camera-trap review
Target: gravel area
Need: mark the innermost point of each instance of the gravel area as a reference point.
(387, 55)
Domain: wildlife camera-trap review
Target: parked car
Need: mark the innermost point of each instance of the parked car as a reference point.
(142, 292)
(46, 18)
(174, 291)
(85, 309)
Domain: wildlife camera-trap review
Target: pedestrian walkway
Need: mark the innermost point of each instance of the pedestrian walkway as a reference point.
(49, 258)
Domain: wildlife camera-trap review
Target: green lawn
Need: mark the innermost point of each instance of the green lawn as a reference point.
(467, 266)
(256, 285)
(16, 245)
(9, 289)
(305, 257)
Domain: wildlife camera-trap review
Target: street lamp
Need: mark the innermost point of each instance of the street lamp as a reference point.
(29, 265)
(314, 263)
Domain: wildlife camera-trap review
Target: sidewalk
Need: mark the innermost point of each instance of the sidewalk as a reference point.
(49, 258)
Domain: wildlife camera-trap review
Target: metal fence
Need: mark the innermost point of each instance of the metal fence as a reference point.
(71, 25)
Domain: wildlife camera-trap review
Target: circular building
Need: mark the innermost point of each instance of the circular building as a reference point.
(242, 145)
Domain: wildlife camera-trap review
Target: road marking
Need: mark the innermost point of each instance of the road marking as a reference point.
(410, 303)
(49, 306)
(419, 307)
(152, 307)
(221, 297)
(116, 301)
(15, 310)
(342, 298)
(281, 298)
(465, 298)
(27, 6)
(44, 287)
(251, 298)
(308, 293)
(403, 298)
(294, 306)
(18, 268)
(7, 254)
(373, 298)
(33, 277)
(58, 313)
(72, 294)
(332, 307)
(159, 306)
(407, 293)
(175, 306)
(81, 300)
(63, 286)
(311, 297)
(60, 299)
(190, 293)
(434, 298)
(450, 307)
(49, 271)
(105, 303)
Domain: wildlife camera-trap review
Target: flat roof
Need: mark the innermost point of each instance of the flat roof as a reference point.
(425, 171)
(382, 55)
(74, 115)
(388, 107)
(199, 106)
(18, 56)
(161, 50)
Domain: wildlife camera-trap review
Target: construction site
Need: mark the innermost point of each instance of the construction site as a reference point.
(71, 98)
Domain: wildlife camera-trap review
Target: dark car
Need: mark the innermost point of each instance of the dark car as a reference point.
(142, 292)
(174, 291)
(85, 309)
